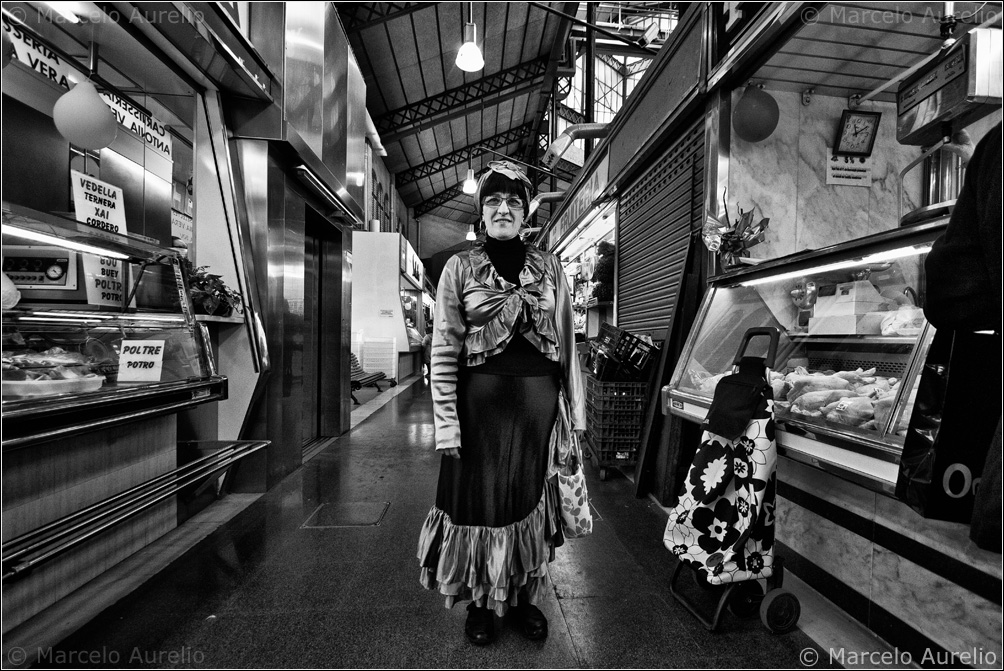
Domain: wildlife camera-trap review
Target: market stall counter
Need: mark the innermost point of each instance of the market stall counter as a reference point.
(853, 341)
(101, 351)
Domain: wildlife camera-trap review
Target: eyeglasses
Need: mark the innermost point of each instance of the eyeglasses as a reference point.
(512, 202)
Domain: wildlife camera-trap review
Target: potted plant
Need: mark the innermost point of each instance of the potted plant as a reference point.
(209, 293)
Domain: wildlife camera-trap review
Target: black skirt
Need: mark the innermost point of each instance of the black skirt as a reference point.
(496, 520)
(505, 425)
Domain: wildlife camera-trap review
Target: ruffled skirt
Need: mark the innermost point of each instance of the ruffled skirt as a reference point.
(496, 520)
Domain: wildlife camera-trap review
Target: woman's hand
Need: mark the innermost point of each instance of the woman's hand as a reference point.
(452, 452)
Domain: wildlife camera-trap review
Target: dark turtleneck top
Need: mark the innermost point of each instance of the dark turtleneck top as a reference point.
(519, 358)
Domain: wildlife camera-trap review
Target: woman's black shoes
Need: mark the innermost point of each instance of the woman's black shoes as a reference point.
(532, 622)
(480, 627)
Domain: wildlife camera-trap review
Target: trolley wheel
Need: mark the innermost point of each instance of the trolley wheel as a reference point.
(779, 611)
(745, 599)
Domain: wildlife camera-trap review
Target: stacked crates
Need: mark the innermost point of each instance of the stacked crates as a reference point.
(613, 422)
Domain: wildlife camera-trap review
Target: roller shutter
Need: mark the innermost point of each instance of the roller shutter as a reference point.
(655, 217)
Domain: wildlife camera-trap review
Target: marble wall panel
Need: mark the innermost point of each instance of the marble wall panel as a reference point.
(827, 215)
(762, 175)
(949, 615)
(847, 495)
(785, 175)
(950, 538)
(888, 160)
(841, 553)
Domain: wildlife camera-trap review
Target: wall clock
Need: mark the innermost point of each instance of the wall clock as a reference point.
(856, 133)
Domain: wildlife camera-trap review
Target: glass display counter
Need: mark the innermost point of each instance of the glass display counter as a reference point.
(853, 342)
(97, 330)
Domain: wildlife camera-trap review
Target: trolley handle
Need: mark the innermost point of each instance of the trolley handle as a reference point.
(773, 333)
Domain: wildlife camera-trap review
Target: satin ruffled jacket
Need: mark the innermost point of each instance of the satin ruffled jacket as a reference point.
(476, 312)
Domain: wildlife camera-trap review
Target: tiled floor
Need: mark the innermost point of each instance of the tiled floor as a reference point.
(268, 590)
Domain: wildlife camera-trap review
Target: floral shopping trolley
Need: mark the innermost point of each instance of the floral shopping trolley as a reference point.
(723, 525)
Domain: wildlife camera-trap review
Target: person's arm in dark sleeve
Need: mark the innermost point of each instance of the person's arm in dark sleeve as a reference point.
(963, 267)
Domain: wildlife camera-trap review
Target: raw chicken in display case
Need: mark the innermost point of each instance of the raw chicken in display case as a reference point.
(853, 340)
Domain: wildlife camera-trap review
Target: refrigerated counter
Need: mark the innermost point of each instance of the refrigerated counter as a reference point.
(103, 333)
(101, 354)
(853, 343)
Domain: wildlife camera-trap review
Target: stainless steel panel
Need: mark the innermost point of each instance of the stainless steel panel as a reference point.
(668, 89)
(355, 145)
(286, 247)
(959, 87)
(335, 91)
(311, 335)
(305, 71)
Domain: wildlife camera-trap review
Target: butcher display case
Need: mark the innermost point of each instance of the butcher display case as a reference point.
(98, 330)
(853, 343)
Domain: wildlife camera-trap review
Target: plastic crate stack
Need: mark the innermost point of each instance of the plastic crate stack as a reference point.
(613, 421)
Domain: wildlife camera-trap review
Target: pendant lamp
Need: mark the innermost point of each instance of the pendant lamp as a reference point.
(471, 235)
(471, 183)
(755, 115)
(83, 117)
(469, 58)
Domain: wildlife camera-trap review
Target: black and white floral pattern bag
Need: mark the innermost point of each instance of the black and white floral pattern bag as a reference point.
(723, 526)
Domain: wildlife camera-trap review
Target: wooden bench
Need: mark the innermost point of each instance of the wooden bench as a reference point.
(361, 378)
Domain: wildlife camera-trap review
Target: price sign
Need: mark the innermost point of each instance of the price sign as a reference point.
(848, 170)
(102, 206)
(141, 360)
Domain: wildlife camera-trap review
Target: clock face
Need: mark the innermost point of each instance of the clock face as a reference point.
(856, 134)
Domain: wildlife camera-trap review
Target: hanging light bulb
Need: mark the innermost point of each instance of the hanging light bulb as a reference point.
(471, 235)
(82, 116)
(469, 58)
(470, 184)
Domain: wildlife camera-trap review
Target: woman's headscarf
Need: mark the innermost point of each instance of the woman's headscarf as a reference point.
(509, 170)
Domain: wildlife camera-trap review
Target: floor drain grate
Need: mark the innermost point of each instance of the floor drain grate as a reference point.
(335, 515)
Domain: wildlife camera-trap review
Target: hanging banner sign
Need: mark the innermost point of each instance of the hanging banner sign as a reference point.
(141, 360)
(34, 54)
(848, 170)
(139, 123)
(583, 199)
(182, 226)
(102, 206)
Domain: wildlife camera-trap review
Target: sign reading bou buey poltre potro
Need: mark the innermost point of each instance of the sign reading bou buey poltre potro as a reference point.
(102, 206)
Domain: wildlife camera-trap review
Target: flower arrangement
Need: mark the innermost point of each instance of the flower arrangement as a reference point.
(209, 293)
(732, 241)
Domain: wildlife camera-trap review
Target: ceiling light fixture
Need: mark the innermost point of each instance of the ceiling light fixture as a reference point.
(471, 183)
(469, 58)
(47, 239)
(471, 235)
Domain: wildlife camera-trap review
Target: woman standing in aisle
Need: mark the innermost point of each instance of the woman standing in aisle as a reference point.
(507, 393)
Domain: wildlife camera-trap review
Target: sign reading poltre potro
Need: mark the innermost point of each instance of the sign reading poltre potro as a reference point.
(141, 360)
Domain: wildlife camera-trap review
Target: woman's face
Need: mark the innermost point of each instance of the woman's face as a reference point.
(502, 214)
